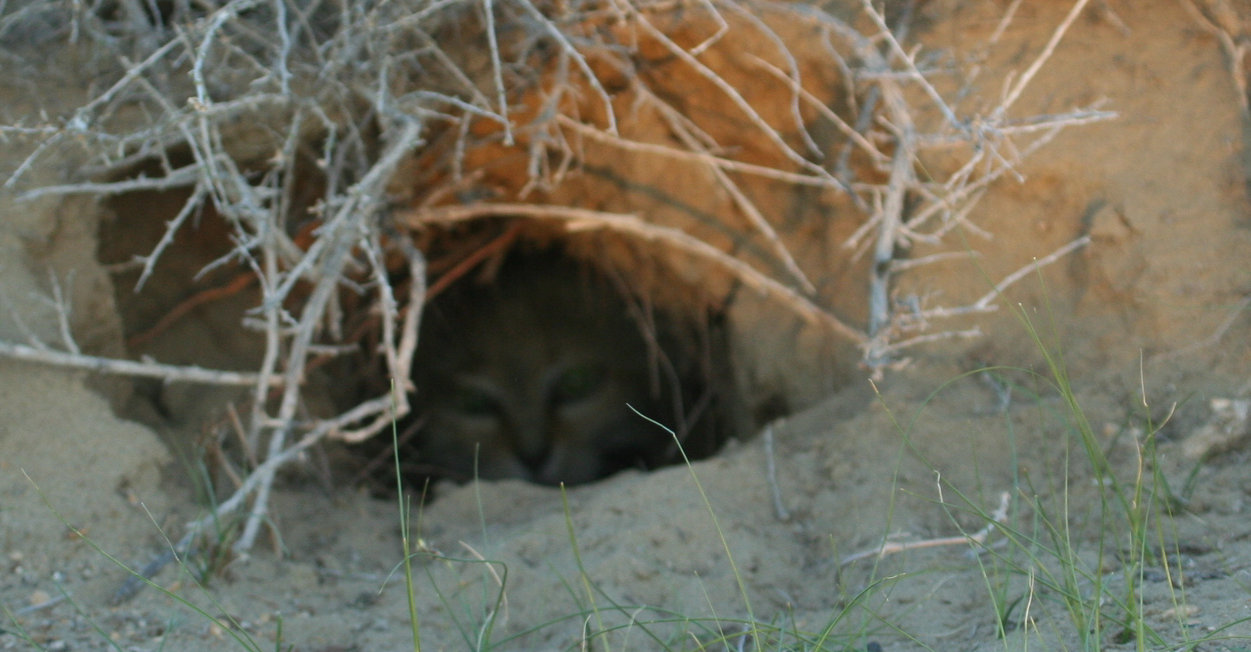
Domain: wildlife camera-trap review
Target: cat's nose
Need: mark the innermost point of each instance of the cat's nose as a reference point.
(532, 438)
(534, 456)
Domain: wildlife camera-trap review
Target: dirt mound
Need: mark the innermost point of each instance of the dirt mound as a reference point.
(760, 538)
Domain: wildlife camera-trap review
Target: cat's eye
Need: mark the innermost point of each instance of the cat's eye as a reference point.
(475, 403)
(578, 383)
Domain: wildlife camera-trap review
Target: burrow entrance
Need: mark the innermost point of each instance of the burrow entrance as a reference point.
(543, 356)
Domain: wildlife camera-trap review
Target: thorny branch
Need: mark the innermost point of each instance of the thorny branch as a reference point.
(993, 154)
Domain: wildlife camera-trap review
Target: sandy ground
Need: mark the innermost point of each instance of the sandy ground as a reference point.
(1156, 303)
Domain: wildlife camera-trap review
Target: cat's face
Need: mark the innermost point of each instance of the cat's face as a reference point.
(533, 377)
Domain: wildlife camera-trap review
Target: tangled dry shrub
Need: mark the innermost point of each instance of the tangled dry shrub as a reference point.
(414, 114)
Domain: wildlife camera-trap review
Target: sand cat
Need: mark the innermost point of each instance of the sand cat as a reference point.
(532, 376)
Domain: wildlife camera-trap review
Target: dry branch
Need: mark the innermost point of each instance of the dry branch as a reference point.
(180, 178)
(997, 291)
(992, 154)
(1232, 31)
(977, 539)
(1026, 77)
(168, 373)
(725, 87)
(744, 204)
(632, 225)
(700, 157)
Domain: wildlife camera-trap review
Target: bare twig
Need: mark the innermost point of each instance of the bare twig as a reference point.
(791, 76)
(730, 92)
(985, 300)
(193, 203)
(898, 265)
(910, 67)
(771, 474)
(497, 70)
(885, 351)
(1233, 41)
(699, 157)
(578, 59)
(749, 209)
(168, 373)
(60, 304)
(180, 178)
(361, 204)
(1028, 75)
(46, 604)
(998, 517)
(855, 136)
